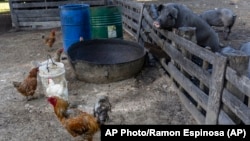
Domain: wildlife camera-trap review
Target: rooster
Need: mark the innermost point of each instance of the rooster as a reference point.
(28, 86)
(101, 109)
(50, 40)
(75, 121)
(59, 89)
(56, 58)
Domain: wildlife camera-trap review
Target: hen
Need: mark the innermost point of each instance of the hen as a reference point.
(59, 89)
(28, 86)
(75, 121)
(101, 109)
(56, 58)
(50, 40)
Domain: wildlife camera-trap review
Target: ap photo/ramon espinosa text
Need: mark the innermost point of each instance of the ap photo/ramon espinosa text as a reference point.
(114, 132)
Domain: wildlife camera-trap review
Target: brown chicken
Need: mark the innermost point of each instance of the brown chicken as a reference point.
(77, 122)
(28, 86)
(57, 56)
(50, 40)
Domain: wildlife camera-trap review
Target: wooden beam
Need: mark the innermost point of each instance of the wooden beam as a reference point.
(199, 96)
(224, 119)
(187, 65)
(139, 24)
(241, 82)
(215, 89)
(236, 106)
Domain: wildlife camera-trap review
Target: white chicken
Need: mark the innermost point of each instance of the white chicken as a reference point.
(60, 89)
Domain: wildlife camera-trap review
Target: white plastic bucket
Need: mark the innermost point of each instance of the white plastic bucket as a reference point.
(52, 71)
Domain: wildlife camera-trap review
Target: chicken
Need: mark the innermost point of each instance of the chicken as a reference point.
(101, 109)
(57, 55)
(56, 58)
(28, 86)
(60, 89)
(75, 121)
(50, 40)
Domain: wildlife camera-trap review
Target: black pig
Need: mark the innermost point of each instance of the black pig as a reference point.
(222, 17)
(173, 15)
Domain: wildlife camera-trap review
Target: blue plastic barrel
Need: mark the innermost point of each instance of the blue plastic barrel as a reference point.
(75, 23)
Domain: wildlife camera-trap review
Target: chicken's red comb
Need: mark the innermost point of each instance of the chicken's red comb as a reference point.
(52, 100)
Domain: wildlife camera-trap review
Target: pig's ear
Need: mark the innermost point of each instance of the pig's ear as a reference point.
(173, 13)
(159, 8)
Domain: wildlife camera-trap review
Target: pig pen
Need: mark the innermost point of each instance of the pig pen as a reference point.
(214, 90)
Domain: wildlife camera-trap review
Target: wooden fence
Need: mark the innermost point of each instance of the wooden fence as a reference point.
(41, 13)
(5, 22)
(213, 91)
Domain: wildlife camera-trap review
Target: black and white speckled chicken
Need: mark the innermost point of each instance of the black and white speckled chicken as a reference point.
(102, 108)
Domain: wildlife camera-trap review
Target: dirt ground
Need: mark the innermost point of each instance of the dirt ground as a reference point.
(147, 98)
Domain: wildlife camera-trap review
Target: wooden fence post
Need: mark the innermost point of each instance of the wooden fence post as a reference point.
(14, 19)
(238, 61)
(140, 20)
(215, 90)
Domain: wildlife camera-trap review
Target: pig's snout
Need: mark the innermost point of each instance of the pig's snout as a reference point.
(156, 24)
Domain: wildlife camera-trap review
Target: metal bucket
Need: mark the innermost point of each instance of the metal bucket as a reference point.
(75, 23)
(106, 22)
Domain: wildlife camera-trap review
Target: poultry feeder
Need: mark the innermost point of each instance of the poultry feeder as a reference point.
(106, 60)
(54, 71)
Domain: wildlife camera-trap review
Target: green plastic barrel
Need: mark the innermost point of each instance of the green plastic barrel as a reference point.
(106, 22)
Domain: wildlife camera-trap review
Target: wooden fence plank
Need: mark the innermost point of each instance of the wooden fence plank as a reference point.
(130, 22)
(188, 65)
(14, 18)
(236, 106)
(132, 15)
(130, 4)
(241, 82)
(35, 13)
(20, 1)
(143, 36)
(215, 89)
(52, 4)
(140, 20)
(154, 37)
(39, 19)
(23, 11)
(198, 95)
(200, 119)
(190, 46)
(41, 25)
(224, 119)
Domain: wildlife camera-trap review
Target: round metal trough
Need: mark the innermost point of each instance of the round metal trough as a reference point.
(106, 60)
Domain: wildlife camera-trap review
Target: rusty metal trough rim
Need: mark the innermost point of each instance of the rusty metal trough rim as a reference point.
(111, 40)
(105, 73)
